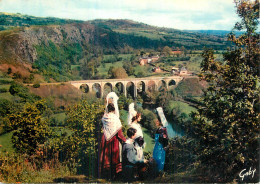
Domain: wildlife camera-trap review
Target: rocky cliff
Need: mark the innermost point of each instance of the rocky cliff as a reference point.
(19, 44)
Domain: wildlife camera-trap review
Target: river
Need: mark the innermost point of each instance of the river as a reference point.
(173, 130)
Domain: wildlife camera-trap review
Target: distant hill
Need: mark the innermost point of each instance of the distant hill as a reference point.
(12, 20)
(49, 46)
(215, 32)
(169, 36)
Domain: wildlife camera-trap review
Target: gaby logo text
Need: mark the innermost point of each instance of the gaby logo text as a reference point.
(244, 173)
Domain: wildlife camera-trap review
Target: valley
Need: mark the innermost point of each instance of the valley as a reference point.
(55, 74)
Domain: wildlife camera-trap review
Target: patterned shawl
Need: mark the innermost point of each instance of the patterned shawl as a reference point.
(111, 125)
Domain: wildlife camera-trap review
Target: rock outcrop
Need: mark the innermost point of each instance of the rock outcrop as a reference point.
(20, 44)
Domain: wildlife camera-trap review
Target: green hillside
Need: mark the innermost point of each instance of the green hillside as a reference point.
(52, 49)
(169, 36)
(11, 20)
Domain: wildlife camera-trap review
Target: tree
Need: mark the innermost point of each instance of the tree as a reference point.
(167, 51)
(119, 73)
(129, 68)
(142, 53)
(31, 129)
(226, 126)
(184, 50)
(133, 57)
(88, 68)
(164, 97)
(18, 89)
(110, 71)
(84, 120)
(148, 120)
(140, 74)
(9, 71)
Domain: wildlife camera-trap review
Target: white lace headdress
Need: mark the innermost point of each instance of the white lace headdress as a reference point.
(162, 116)
(114, 98)
(131, 113)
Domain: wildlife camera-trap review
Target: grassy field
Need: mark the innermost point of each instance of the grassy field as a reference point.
(146, 70)
(62, 130)
(6, 96)
(183, 107)
(5, 86)
(123, 115)
(155, 35)
(60, 117)
(148, 140)
(5, 141)
(5, 83)
(192, 65)
(75, 66)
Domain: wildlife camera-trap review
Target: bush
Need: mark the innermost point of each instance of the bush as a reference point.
(31, 130)
(17, 89)
(119, 73)
(9, 71)
(5, 107)
(123, 102)
(179, 113)
(140, 74)
(5, 81)
(189, 87)
(148, 120)
(180, 155)
(3, 90)
(16, 168)
(37, 85)
(84, 120)
(17, 75)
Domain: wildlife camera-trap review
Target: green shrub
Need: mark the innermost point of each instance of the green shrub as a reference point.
(5, 81)
(37, 85)
(180, 155)
(5, 107)
(189, 87)
(148, 120)
(38, 168)
(82, 147)
(18, 89)
(3, 90)
(140, 74)
(31, 129)
(9, 71)
(123, 102)
(17, 75)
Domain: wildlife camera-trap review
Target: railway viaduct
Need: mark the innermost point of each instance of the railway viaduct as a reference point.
(103, 86)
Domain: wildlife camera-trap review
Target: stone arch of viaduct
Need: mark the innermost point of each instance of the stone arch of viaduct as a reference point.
(137, 83)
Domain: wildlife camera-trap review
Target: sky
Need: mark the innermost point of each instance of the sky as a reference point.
(178, 14)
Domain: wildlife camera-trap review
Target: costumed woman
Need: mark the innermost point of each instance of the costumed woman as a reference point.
(161, 142)
(134, 123)
(110, 159)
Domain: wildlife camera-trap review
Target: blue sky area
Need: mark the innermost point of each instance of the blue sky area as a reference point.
(179, 14)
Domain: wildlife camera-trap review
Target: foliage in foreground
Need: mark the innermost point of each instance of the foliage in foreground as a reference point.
(30, 129)
(21, 168)
(180, 155)
(84, 120)
(226, 126)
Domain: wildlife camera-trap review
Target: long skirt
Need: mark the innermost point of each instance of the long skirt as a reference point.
(110, 163)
